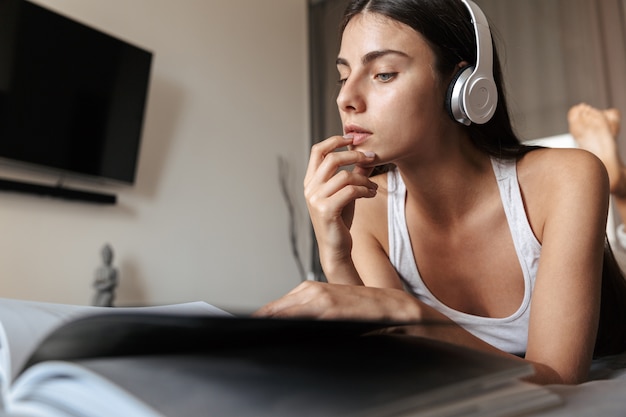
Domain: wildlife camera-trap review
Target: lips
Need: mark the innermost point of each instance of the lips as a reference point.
(359, 134)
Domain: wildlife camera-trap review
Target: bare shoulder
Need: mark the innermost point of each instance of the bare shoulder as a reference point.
(556, 181)
(545, 169)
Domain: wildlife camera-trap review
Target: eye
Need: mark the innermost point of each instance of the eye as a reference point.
(386, 76)
(341, 81)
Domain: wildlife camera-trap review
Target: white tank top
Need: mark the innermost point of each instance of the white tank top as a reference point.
(509, 334)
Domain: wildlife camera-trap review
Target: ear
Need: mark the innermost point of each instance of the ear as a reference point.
(456, 70)
(460, 65)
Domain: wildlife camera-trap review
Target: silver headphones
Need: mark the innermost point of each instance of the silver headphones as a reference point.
(472, 95)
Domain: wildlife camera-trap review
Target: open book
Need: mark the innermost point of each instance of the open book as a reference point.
(194, 359)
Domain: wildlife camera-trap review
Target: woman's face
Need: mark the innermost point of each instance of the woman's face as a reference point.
(391, 98)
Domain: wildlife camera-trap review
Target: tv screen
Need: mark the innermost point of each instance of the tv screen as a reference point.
(72, 98)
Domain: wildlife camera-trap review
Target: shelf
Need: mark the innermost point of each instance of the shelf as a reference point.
(57, 192)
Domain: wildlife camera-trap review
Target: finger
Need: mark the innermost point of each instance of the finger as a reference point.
(279, 308)
(347, 195)
(321, 151)
(339, 180)
(365, 171)
(335, 161)
(333, 196)
(299, 295)
(323, 148)
(281, 303)
(299, 311)
(324, 211)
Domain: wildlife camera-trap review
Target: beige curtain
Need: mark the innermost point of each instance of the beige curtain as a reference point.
(558, 53)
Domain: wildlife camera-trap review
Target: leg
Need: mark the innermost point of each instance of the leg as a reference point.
(596, 131)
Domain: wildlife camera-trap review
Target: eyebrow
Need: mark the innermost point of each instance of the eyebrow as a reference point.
(372, 56)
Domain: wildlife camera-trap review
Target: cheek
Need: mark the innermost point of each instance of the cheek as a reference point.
(422, 94)
(417, 106)
(416, 117)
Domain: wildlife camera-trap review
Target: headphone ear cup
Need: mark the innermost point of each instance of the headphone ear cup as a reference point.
(454, 95)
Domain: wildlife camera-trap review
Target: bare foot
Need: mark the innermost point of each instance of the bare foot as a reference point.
(596, 130)
(613, 117)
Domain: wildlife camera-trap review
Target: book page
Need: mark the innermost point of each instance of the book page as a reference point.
(24, 324)
(64, 389)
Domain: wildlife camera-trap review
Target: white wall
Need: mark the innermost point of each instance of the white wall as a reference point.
(205, 219)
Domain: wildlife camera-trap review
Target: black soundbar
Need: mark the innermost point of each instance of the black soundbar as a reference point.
(57, 192)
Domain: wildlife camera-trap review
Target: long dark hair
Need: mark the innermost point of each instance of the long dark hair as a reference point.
(447, 27)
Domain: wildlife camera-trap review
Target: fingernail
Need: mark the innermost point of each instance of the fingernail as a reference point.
(348, 136)
(369, 154)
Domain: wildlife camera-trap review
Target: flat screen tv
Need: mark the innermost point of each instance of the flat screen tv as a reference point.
(72, 98)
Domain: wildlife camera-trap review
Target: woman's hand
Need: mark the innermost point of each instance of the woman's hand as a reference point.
(335, 301)
(330, 194)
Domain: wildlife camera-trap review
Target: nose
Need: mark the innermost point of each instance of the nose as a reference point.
(351, 96)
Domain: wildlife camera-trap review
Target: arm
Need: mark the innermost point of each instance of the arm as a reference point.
(569, 217)
(330, 194)
(370, 250)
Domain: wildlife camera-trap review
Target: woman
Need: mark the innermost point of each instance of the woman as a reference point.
(468, 226)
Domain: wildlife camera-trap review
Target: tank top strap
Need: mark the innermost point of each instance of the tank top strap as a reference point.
(400, 249)
(526, 244)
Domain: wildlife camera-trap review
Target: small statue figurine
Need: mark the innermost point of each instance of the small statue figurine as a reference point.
(106, 279)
